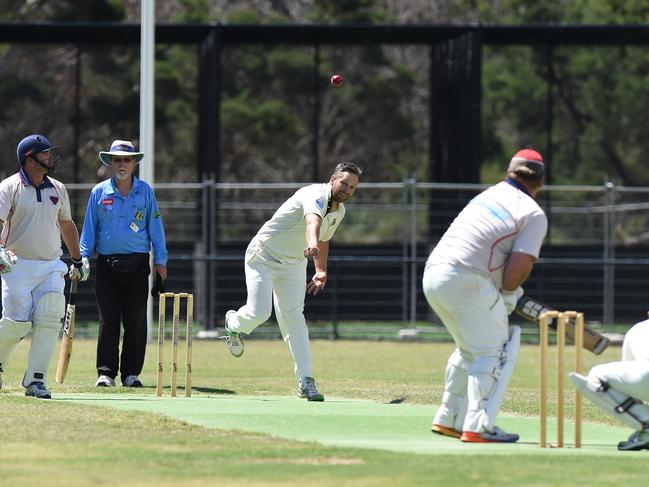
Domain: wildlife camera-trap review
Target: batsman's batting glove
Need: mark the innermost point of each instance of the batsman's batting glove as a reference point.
(510, 298)
(80, 269)
(159, 286)
(7, 260)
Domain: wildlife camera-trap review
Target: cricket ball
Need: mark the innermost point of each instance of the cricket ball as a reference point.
(336, 80)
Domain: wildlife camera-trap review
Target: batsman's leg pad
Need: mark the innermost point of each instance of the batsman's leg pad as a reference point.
(487, 385)
(454, 399)
(625, 408)
(11, 332)
(48, 317)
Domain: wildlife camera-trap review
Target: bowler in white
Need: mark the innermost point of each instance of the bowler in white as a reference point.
(276, 264)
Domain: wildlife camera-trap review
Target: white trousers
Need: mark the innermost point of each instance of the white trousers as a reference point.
(472, 310)
(630, 378)
(270, 282)
(27, 282)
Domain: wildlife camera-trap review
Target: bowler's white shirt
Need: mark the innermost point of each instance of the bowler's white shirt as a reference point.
(500, 220)
(32, 215)
(284, 235)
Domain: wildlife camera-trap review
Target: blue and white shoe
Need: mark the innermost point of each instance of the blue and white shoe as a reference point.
(132, 381)
(233, 340)
(38, 389)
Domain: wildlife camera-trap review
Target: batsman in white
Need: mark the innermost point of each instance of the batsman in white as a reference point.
(472, 281)
(276, 263)
(35, 214)
(619, 388)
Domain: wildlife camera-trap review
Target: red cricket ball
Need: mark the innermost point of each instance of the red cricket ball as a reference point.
(337, 80)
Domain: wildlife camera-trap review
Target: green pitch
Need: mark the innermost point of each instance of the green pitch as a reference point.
(346, 423)
(245, 426)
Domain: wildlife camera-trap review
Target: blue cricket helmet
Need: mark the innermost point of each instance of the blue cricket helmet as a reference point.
(32, 144)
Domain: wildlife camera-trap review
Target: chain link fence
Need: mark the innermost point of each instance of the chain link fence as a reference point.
(594, 258)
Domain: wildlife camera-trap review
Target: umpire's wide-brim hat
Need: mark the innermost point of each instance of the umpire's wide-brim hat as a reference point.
(120, 148)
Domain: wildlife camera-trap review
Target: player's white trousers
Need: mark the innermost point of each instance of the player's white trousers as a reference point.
(270, 282)
(31, 282)
(472, 310)
(630, 378)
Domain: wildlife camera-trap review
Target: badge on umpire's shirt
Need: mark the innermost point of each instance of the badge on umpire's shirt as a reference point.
(134, 227)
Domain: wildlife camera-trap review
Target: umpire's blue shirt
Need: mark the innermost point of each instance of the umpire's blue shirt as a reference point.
(117, 224)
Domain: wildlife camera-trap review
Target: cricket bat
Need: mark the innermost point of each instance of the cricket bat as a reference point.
(68, 335)
(532, 310)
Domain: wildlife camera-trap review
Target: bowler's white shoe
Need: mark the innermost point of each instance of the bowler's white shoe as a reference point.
(233, 340)
(306, 388)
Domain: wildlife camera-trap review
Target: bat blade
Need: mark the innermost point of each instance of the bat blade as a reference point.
(68, 335)
(532, 310)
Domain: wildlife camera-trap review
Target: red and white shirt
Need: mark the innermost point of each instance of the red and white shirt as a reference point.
(499, 221)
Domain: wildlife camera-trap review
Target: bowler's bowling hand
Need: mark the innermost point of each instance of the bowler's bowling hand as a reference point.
(317, 284)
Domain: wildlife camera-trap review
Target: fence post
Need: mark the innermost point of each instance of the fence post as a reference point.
(404, 252)
(413, 251)
(334, 300)
(609, 254)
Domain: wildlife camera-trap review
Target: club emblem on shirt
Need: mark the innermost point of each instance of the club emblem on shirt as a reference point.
(333, 222)
(107, 201)
(319, 202)
(139, 215)
(54, 199)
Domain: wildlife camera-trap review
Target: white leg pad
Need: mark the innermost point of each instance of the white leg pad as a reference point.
(487, 385)
(11, 332)
(454, 399)
(48, 317)
(625, 408)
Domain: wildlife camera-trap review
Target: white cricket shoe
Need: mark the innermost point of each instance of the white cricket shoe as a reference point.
(233, 340)
(105, 381)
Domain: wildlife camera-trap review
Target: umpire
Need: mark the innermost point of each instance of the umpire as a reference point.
(122, 224)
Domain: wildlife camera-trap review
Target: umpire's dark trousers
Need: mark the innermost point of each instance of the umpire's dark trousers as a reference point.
(122, 295)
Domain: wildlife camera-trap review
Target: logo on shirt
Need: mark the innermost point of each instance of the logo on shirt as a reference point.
(333, 222)
(139, 215)
(319, 202)
(54, 199)
(107, 201)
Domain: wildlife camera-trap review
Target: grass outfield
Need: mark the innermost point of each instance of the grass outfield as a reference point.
(379, 394)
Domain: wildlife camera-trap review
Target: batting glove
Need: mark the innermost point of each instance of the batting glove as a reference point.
(510, 298)
(80, 269)
(7, 260)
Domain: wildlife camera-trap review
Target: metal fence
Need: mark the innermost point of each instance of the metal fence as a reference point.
(594, 258)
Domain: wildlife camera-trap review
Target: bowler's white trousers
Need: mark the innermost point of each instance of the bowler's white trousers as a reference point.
(471, 308)
(270, 282)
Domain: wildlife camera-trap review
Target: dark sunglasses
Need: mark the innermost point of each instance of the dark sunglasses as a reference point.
(121, 159)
